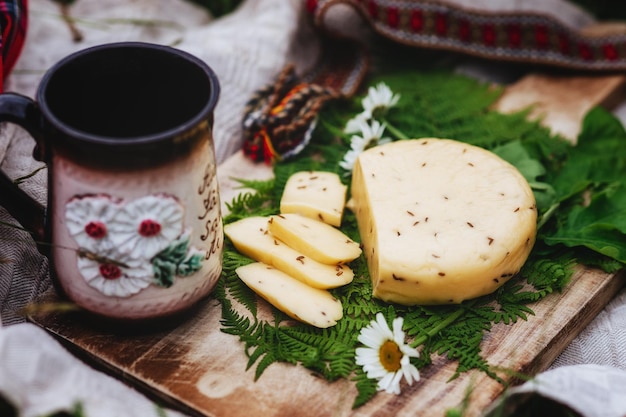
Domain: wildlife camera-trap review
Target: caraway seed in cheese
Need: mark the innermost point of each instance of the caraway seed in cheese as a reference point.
(441, 221)
(318, 195)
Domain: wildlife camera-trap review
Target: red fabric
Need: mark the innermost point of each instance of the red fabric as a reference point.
(13, 25)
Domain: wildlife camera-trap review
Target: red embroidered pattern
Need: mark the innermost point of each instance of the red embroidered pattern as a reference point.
(13, 24)
(519, 36)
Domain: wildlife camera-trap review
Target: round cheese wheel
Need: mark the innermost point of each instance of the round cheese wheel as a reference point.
(441, 221)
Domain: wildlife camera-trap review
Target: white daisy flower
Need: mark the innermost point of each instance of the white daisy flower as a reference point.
(349, 159)
(379, 99)
(88, 220)
(146, 226)
(117, 279)
(355, 125)
(386, 357)
(371, 135)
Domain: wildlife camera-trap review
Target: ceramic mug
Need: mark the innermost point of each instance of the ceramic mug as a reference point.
(133, 222)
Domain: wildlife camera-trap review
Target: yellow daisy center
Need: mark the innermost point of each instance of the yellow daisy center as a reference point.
(390, 356)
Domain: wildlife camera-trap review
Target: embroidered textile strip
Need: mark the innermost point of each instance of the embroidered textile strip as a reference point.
(521, 36)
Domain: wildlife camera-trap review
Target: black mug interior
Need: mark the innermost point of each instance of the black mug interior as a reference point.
(128, 91)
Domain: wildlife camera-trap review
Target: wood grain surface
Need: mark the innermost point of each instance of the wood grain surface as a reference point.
(191, 365)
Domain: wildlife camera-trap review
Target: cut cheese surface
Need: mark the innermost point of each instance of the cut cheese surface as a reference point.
(315, 194)
(440, 221)
(314, 238)
(251, 237)
(299, 301)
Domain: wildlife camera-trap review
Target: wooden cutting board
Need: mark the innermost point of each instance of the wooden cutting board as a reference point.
(196, 368)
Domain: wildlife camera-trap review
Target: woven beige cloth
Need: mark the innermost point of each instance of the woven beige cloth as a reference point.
(246, 49)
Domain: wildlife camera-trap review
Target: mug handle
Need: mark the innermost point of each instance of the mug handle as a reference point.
(23, 111)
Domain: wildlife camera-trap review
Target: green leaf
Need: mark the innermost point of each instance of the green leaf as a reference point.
(366, 387)
(164, 272)
(176, 252)
(175, 260)
(599, 226)
(597, 158)
(190, 265)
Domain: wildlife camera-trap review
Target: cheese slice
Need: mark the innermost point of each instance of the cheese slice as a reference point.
(440, 221)
(299, 301)
(314, 238)
(318, 195)
(251, 237)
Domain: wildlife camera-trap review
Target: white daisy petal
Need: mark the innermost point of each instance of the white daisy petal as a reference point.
(147, 225)
(379, 358)
(376, 372)
(410, 374)
(357, 144)
(108, 288)
(371, 136)
(376, 130)
(88, 220)
(116, 280)
(385, 383)
(379, 100)
(372, 337)
(390, 383)
(383, 326)
(371, 351)
(349, 160)
(355, 124)
(398, 333)
(409, 351)
(397, 377)
(396, 324)
(366, 355)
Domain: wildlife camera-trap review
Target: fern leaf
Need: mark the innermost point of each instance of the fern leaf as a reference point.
(366, 387)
